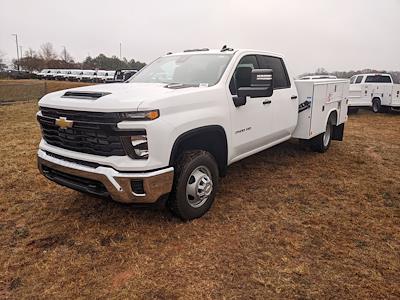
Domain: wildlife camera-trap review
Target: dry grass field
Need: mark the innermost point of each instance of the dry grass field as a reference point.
(287, 223)
(24, 90)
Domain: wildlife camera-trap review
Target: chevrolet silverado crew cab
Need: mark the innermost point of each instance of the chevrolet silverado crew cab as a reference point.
(169, 132)
(374, 90)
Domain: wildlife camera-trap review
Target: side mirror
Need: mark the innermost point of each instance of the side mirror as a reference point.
(261, 84)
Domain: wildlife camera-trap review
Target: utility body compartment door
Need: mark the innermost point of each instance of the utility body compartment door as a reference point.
(322, 98)
(395, 94)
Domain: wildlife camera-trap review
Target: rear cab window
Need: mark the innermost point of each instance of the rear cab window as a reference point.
(281, 78)
(378, 79)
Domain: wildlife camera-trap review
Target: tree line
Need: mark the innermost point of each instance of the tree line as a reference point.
(348, 74)
(47, 58)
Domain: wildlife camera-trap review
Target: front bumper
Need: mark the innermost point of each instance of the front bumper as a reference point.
(106, 181)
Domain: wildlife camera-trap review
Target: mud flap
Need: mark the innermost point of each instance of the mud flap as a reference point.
(338, 132)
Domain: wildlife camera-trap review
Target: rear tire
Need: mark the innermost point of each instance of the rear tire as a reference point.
(321, 142)
(195, 185)
(376, 105)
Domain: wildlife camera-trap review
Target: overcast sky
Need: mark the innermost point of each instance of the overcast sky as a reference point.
(334, 34)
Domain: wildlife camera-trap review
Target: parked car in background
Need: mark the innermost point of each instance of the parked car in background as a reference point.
(52, 74)
(313, 77)
(62, 74)
(123, 75)
(73, 75)
(87, 76)
(171, 131)
(374, 90)
(18, 74)
(105, 76)
(44, 73)
(110, 76)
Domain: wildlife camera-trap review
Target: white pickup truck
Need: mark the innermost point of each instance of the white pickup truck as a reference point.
(171, 131)
(374, 90)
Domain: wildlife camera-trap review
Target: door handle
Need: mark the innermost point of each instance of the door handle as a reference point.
(267, 102)
(293, 97)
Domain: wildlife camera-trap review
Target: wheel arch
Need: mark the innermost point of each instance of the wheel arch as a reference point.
(338, 129)
(210, 138)
(333, 113)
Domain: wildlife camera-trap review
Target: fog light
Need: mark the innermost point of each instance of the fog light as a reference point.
(137, 187)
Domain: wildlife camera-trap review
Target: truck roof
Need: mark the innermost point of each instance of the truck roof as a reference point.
(372, 74)
(218, 51)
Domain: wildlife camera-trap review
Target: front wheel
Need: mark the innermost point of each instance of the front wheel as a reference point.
(195, 185)
(321, 142)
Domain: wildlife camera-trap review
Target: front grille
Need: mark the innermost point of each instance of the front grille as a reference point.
(92, 132)
(73, 160)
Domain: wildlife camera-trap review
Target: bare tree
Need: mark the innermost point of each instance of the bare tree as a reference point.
(321, 71)
(47, 52)
(66, 57)
(30, 53)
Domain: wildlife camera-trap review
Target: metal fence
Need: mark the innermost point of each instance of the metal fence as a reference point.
(21, 92)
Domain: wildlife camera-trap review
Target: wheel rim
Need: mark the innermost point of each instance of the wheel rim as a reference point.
(327, 134)
(199, 187)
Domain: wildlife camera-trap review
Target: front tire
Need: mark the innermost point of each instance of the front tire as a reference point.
(195, 185)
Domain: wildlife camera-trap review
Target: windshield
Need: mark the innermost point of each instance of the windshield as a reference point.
(196, 69)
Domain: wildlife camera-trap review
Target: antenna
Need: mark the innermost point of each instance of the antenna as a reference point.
(225, 48)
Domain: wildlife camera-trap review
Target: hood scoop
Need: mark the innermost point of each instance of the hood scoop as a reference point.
(85, 95)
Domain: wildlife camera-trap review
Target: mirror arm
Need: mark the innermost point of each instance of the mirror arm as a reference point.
(239, 101)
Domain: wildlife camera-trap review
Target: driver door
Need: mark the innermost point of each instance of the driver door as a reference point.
(262, 121)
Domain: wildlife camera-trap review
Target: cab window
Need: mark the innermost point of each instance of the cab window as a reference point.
(281, 79)
(359, 79)
(236, 80)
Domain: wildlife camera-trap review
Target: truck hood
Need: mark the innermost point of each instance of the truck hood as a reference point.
(112, 97)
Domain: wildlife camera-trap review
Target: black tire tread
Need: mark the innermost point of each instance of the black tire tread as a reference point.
(182, 162)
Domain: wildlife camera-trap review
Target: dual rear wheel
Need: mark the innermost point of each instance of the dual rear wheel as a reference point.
(321, 142)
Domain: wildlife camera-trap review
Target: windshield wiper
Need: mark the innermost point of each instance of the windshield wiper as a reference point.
(177, 85)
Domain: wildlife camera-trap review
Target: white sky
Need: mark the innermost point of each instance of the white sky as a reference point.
(334, 34)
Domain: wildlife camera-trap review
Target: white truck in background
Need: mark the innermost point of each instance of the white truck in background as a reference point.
(312, 77)
(73, 75)
(374, 90)
(44, 73)
(171, 131)
(104, 76)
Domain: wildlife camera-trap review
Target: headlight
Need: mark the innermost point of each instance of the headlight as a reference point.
(147, 115)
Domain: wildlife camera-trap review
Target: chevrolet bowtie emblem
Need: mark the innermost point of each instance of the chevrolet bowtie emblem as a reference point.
(63, 123)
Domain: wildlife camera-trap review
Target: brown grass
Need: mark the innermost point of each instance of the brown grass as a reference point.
(27, 89)
(287, 223)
